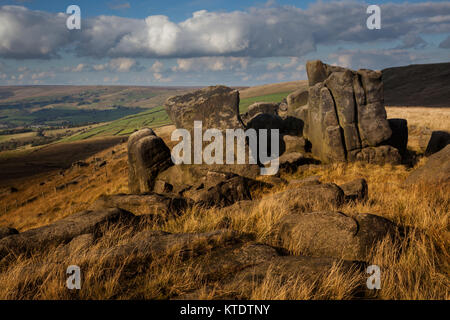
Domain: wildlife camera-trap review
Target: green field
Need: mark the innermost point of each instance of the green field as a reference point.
(156, 117)
(153, 118)
(276, 97)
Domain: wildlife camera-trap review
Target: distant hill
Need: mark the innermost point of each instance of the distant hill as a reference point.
(417, 85)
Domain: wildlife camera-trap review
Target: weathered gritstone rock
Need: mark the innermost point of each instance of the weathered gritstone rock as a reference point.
(333, 234)
(345, 115)
(289, 162)
(223, 193)
(184, 175)
(376, 155)
(234, 272)
(217, 107)
(297, 99)
(259, 108)
(64, 230)
(294, 144)
(322, 126)
(435, 172)
(148, 155)
(305, 197)
(162, 206)
(355, 190)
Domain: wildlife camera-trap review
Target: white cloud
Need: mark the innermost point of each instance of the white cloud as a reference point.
(257, 32)
(115, 65)
(375, 59)
(42, 75)
(31, 34)
(158, 66)
(122, 64)
(111, 80)
(211, 64)
(160, 78)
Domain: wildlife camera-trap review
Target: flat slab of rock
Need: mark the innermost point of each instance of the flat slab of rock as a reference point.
(64, 230)
(148, 204)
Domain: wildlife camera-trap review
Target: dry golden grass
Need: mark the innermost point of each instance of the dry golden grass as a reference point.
(415, 267)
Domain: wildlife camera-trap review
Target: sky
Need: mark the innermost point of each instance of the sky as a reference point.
(209, 42)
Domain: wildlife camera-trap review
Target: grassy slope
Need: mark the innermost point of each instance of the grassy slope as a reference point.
(418, 271)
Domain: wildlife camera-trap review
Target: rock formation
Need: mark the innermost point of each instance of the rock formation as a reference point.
(217, 107)
(345, 119)
(148, 155)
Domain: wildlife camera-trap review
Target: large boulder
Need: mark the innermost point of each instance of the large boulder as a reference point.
(333, 234)
(64, 230)
(435, 171)
(217, 107)
(345, 113)
(148, 155)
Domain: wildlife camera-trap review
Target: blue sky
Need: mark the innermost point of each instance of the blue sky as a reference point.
(206, 42)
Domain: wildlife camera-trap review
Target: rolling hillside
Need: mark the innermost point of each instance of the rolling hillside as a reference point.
(157, 117)
(418, 85)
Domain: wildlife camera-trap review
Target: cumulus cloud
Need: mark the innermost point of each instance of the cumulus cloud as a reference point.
(412, 41)
(256, 32)
(374, 59)
(118, 65)
(158, 66)
(28, 34)
(211, 64)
